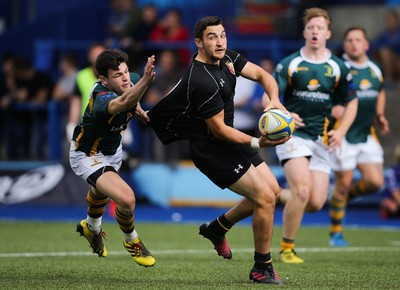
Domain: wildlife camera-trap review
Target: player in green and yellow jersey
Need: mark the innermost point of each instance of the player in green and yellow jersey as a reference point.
(96, 151)
(311, 81)
(360, 149)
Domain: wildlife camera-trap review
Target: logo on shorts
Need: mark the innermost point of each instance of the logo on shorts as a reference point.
(291, 147)
(95, 162)
(237, 170)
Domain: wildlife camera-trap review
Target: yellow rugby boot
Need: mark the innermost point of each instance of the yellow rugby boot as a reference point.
(289, 256)
(139, 253)
(95, 241)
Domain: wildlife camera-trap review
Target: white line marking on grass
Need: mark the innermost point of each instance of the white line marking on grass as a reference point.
(199, 251)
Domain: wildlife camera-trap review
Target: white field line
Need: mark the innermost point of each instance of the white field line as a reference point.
(201, 251)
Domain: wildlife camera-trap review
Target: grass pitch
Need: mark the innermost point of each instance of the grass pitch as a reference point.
(53, 256)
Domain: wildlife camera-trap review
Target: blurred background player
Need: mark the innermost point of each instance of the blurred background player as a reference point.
(387, 47)
(390, 204)
(360, 148)
(84, 82)
(310, 80)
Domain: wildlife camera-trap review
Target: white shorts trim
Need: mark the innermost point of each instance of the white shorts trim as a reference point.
(300, 147)
(352, 154)
(84, 165)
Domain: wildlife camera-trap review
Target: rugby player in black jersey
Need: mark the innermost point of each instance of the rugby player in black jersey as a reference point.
(200, 108)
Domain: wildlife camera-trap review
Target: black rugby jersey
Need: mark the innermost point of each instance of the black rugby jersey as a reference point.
(204, 91)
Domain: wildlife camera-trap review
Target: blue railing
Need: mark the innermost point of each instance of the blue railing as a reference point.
(54, 126)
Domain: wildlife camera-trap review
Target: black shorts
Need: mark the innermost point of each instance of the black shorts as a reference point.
(223, 163)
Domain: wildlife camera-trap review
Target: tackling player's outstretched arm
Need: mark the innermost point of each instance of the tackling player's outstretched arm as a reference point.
(132, 96)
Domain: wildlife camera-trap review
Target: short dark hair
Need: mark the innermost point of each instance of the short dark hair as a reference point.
(110, 59)
(203, 23)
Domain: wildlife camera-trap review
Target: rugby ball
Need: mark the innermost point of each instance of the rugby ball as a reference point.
(278, 124)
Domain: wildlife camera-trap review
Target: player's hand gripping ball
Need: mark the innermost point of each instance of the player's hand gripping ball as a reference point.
(278, 124)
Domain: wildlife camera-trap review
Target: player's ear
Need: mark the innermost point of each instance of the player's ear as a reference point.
(103, 80)
(198, 42)
(328, 36)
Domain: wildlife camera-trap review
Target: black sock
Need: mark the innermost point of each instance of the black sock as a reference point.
(221, 225)
(262, 261)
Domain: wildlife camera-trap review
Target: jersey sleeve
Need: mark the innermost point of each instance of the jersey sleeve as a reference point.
(101, 101)
(281, 76)
(239, 61)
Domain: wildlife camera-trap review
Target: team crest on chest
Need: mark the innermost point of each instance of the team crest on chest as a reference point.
(230, 67)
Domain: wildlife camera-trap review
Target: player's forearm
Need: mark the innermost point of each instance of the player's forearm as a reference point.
(270, 88)
(380, 104)
(348, 116)
(232, 135)
(131, 97)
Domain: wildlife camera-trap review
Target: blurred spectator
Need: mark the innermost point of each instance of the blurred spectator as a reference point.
(390, 204)
(65, 85)
(170, 30)
(27, 134)
(140, 35)
(267, 153)
(387, 47)
(124, 18)
(84, 81)
(245, 116)
(7, 86)
(269, 66)
(168, 73)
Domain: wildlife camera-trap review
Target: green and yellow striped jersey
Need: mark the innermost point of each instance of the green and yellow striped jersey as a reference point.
(311, 88)
(100, 131)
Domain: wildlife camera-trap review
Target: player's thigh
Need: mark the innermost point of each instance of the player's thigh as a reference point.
(254, 186)
(297, 173)
(266, 174)
(372, 173)
(343, 180)
(113, 186)
(320, 181)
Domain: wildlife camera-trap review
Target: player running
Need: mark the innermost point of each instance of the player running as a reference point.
(360, 149)
(201, 108)
(96, 150)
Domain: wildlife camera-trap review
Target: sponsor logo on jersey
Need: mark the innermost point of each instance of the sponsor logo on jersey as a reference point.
(104, 96)
(365, 84)
(313, 85)
(302, 68)
(230, 67)
(311, 96)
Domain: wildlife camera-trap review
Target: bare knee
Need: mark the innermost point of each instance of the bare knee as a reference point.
(314, 206)
(266, 198)
(127, 200)
(342, 190)
(303, 194)
(374, 184)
